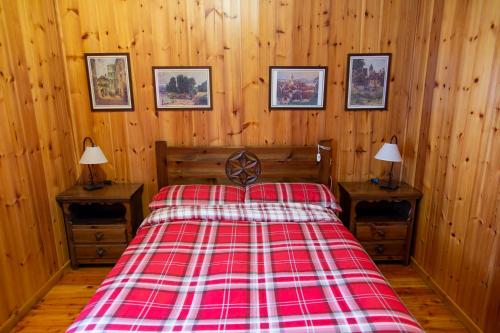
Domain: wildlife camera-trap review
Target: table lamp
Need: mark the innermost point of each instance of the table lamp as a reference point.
(389, 152)
(92, 155)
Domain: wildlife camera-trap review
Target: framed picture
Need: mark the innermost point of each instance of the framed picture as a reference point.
(108, 77)
(297, 88)
(183, 88)
(367, 81)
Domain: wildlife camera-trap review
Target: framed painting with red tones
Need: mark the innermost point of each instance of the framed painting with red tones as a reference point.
(297, 88)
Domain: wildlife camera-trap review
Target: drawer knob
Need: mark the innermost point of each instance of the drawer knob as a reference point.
(98, 236)
(101, 252)
(380, 232)
(379, 249)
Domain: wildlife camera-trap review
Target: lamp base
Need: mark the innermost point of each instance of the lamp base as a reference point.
(92, 187)
(389, 186)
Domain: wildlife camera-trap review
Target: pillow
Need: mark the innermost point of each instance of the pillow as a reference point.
(309, 193)
(197, 194)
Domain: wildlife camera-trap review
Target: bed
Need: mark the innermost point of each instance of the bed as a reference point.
(221, 264)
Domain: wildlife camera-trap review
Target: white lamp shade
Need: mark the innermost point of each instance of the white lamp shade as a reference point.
(389, 152)
(93, 155)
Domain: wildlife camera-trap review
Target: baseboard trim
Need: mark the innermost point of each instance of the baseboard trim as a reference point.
(16, 316)
(466, 320)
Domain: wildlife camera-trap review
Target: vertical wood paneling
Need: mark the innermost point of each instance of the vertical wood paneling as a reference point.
(272, 131)
(457, 238)
(250, 41)
(37, 155)
(443, 105)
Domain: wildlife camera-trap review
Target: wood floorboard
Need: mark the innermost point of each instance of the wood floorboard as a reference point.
(61, 305)
(428, 308)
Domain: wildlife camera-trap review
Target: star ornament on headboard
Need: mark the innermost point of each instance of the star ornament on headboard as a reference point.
(243, 168)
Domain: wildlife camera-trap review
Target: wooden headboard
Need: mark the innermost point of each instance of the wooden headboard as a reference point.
(206, 165)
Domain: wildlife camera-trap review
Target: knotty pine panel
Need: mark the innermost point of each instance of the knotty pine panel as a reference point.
(240, 40)
(37, 156)
(446, 121)
(457, 240)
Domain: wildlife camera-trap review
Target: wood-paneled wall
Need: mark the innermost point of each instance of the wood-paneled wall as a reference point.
(37, 156)
(240, 40)
(457, 240)
(430, 101)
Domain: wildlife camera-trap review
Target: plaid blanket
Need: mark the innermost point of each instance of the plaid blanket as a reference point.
(244, 268)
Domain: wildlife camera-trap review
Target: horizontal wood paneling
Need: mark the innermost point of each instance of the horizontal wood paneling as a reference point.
(207, 165)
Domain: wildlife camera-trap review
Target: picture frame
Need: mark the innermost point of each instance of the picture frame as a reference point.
(297, 87)
(109, 81)
(194, 93)
(367, 81)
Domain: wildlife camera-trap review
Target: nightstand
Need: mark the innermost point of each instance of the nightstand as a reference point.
(100, 224)
(382, 220)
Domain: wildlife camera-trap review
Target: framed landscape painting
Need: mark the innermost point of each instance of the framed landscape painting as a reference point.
(368, 81)
(183, 88)
(297, 88)
(109, 82)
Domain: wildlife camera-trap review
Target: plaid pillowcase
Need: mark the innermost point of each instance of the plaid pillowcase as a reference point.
(197, 194)
(308, 193)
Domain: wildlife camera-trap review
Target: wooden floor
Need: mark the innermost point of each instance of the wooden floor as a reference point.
(63, 303)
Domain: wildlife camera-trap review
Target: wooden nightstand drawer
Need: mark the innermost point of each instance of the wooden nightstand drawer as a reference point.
(381, 231)
(91, 234)
(100, 251)
(381, 219)
(385, 249)
(100, 223)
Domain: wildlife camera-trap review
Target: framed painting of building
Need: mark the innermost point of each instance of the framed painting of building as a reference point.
(109, 81)
(297, 88)
(183, 88)
(367, 81)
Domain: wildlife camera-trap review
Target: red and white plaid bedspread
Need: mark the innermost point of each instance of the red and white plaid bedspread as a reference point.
(247, 267)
